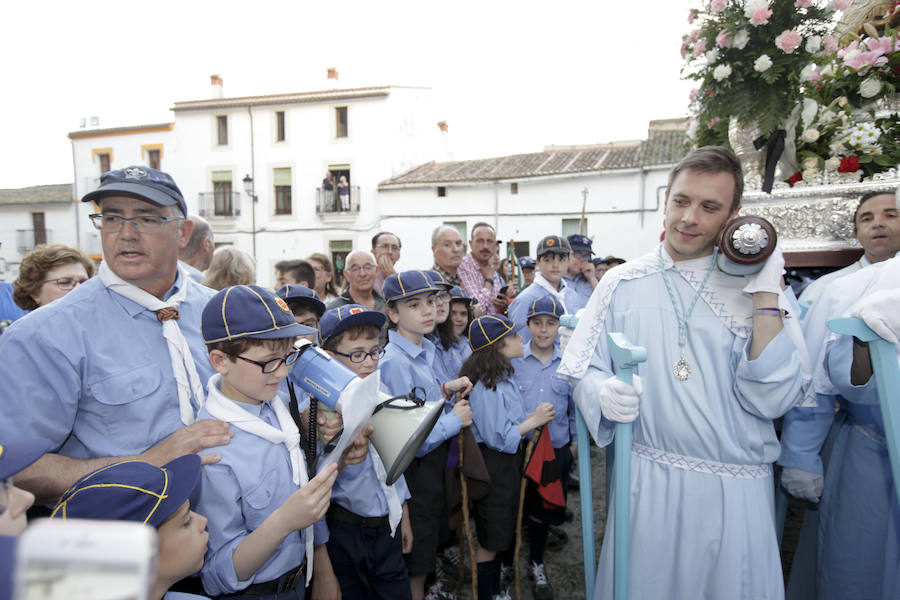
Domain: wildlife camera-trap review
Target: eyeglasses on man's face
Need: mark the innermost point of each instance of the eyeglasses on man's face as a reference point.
(143, 224)
(66, 283)
(270, 366)
(361, 355)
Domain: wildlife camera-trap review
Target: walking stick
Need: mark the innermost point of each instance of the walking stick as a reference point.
(625, 358)
(529, 450)
(887, 380)
(464, 492)
(586, 495)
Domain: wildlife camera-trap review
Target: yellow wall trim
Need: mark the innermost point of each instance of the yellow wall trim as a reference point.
(97, 151)
(145, 147)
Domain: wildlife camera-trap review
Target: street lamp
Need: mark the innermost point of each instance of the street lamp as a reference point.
(248, 189)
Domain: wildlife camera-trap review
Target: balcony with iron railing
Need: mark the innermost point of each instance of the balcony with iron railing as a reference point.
(219, 205)
(27, 239)
(329, 202)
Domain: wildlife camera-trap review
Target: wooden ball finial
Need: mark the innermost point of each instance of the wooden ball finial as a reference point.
(747, 240)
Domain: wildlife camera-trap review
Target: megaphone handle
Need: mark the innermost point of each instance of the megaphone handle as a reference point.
(311, 428)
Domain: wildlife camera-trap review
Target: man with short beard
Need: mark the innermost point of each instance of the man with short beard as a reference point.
(479, 279)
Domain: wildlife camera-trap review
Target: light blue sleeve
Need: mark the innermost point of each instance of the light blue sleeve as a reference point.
(447, 426)
(839, 359)
(321, 535)
(396, 376)
(519, 308)
(402, 489)
(803, 433)
(772, 384)
(494, 420)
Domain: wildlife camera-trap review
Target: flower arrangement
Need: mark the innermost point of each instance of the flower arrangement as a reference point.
(750, 58)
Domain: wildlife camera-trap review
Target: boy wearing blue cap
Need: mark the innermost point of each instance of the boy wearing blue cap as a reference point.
(259, 500)
(366, 552)
(306, 305)
(526, 263)
(581, 277)
(409, 362)
(553, 253)
(134, 490)
(498, 422)
(535, 376)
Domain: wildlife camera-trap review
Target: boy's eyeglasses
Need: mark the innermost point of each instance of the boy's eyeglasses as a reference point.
(270, 366)
(66, 283)
(5, 484)
(142, 224)
(360, 355)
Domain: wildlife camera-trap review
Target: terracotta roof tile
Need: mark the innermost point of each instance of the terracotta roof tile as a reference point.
(38, 194)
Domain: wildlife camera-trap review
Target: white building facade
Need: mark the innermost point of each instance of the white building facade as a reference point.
(43, 214)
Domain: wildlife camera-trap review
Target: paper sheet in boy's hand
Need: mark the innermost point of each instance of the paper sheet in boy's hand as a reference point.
(358, 400)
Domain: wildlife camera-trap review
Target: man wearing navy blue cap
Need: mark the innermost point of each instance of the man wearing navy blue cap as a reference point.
(116, 367)
(581, 276)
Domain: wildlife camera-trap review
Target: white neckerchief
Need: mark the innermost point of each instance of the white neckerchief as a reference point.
(395, 511)
(723, 294)
(231, 412)
(183, 366)
(559, 294)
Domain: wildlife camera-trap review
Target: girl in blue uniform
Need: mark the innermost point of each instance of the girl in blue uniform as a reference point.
(450, 341)
(498, 422)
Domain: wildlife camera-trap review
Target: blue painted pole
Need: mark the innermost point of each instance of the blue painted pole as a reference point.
(887, 380)
(625, 358)
(585, 493)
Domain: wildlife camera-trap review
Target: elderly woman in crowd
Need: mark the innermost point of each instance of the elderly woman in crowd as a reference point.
(324, 277)
(48, 273)
(230, 266)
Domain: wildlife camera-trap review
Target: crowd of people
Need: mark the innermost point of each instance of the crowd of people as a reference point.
(171, 364)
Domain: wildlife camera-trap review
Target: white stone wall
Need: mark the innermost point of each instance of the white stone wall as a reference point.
(59, 221)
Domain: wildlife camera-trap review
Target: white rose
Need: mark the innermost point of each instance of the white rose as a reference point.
(833, 163)
(870, 87)
(721, 72)
(807, 72)
(712, 56)
(810, 135)
(751, 6)
(763, 63)
(827, 70)
(740, 39)
(692, 129)
(842, 102)
(813, 43)
(810, 163)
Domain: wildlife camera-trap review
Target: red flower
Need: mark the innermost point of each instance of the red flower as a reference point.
(709, 92)
(849, 164)
(794, 178)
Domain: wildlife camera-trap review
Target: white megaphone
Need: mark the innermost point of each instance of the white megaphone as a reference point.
(400, 424)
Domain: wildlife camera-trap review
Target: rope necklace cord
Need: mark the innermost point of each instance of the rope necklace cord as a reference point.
(682, 370)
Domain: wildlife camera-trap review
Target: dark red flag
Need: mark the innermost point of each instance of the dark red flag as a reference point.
(543, 470)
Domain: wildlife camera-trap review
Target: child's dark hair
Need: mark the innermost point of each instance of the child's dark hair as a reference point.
(237, 347)
(487, 365)
(445, 330)
(351, 333)
(390, 304)
(300, 305)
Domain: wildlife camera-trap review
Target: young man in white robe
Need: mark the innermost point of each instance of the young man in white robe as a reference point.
(721, 365)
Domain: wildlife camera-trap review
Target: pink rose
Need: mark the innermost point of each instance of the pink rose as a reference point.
(693, 93)
(691, 17)
(712, 122)
(842, 5)
(830, 43)
(760, 16)
(723, 40)
(816, 76)
(788, 41)
(717, 6)
(692, 36)
(802, 3)
(700, 48)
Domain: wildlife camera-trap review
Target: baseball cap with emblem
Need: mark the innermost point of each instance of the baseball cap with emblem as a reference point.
(139, 182)
(131, 490)
(300, 294)
(407, 283)
(553, 244)
(338, 320)
(526, 262)
(580, 243)
(488, 329)
(546, 305)
(248, 311)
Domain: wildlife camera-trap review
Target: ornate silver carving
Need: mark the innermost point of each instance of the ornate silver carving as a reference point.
(749, 238)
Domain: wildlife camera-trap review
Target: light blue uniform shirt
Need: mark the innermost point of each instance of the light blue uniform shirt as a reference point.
(447, 363)
(358, 490)
(538, 382)
(237, 494)
(496, 415)
(91, 372)
(518, 310)
(405, 366)
(582, 292)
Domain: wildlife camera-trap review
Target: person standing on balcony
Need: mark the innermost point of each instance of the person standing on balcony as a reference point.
(386, 248)
(344, 193)
(479, 279)
(328, 190)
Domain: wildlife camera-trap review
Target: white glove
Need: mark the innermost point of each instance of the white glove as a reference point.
(767, 279)
(880, 312)
(565, 334)
(802, 484)
(619, 401)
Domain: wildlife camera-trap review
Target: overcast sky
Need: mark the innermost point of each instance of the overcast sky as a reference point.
(509, 77)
